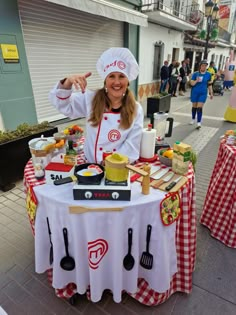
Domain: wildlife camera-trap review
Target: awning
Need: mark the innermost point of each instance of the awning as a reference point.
(189, 39)
(106, 9)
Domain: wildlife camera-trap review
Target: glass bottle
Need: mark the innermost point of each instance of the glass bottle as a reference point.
(71, 154)
(70, 149)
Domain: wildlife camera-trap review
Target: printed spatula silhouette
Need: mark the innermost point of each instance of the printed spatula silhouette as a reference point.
(146, 260)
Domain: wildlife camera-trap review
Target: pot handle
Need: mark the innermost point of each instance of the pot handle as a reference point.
(171, 122)
(65, 180)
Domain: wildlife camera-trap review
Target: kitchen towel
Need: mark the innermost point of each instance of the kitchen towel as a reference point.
(148, 143)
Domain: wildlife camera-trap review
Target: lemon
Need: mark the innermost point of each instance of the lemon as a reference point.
(168, 154)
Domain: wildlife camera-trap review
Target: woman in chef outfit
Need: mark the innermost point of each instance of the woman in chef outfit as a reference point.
(114, 119)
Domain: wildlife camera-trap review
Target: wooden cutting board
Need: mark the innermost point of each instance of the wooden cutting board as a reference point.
(176, 187)
(163, 186)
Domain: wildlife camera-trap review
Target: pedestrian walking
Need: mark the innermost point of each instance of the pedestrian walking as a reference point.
(183, 75)
(188, 69)
(201, 83)
(212, 70)
(164, 76)
(174, 79)
(170, 71)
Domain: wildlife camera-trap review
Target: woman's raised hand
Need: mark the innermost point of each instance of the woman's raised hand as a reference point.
(78, 80)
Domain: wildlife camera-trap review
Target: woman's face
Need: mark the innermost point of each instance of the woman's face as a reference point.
(116, 84)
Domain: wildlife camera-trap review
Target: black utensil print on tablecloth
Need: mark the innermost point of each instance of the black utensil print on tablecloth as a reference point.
(129, 261)
(51, 246)
(67, 263)
(146, 260)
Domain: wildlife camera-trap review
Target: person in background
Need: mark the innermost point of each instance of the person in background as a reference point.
(234, 77)
(201, 83)
(183, 75)
(212, 70)
(189, 71)
(164, 76)
(114, 120)
(170, 71)
(187, 63)
(174, 79)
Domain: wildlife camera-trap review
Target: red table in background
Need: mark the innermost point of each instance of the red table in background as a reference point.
(219, 211)
(185, 242)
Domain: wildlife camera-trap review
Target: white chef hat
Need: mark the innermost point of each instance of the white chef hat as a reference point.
(118, 59)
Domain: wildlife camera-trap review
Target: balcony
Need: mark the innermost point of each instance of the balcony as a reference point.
(173, 15)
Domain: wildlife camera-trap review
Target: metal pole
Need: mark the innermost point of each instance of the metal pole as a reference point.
(209, 22)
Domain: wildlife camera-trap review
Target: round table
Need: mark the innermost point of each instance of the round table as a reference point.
(184, 232)
(219, 210)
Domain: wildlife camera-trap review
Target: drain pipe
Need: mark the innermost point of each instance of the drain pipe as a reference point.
(2, 128)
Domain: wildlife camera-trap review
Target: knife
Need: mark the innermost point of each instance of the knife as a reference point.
(172, 184)
(166, 179)
(160, 174)
(154, 170)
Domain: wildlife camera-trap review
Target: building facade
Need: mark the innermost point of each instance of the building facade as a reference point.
(55, 38)
(173, 33)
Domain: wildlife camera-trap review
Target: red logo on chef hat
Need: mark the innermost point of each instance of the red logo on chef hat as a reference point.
(96, 251)
(121, 65)
(114, 135)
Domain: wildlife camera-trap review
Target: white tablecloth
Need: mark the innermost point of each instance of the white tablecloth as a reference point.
(110, 232)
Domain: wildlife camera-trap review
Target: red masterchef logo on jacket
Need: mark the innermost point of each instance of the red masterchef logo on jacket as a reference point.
(119, 64)
(114, 135)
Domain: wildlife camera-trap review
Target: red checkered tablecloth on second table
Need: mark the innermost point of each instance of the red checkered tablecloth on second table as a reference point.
(219, 211)
(185, 243)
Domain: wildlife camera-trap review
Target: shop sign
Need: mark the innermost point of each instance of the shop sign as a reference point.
(10, 53)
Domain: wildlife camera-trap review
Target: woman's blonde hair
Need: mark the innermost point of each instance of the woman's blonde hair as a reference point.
(101, 104)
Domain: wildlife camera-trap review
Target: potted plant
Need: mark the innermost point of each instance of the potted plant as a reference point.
(15, 153)
(158, 103)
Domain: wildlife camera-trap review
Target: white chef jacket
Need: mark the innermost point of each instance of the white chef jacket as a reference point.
(107, 136)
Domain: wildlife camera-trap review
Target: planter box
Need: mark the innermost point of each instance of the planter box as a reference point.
(155, 105)
(13, 157)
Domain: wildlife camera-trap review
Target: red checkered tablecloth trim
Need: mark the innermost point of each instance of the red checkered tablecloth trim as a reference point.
(185, 247)
(219, 211)
(186, 252)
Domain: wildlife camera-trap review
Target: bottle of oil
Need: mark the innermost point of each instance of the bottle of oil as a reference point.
(70, 157)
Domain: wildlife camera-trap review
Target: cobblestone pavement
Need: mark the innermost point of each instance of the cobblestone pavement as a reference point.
(23, 292)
